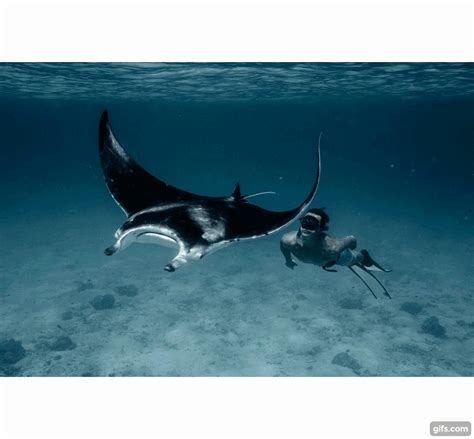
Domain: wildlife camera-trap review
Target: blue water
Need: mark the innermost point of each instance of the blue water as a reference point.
(397, 172)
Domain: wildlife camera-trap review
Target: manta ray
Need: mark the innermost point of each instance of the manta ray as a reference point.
(196, 225)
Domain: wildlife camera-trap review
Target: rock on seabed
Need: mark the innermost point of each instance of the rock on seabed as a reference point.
(63, 344)
(106, 301)
(11, 351)
(346, 360)
(432, 326)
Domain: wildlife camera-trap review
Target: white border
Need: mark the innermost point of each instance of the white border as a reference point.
(227, 31)
(232, 407)
(224, 31)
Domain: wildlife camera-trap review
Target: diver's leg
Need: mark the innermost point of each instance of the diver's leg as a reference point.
(349, 257)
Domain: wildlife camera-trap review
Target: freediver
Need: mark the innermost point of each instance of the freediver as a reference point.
(312, 245)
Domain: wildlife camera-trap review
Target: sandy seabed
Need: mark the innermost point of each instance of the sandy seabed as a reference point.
(238, 312)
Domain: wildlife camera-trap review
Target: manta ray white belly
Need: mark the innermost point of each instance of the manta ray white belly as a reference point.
(155, 238)
(146, 235)
(166, 237)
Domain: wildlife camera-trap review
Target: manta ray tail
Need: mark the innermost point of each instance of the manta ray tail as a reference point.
(237, 194)
(246, 197)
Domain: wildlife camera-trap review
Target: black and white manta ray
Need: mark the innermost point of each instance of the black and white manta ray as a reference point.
(162, 214)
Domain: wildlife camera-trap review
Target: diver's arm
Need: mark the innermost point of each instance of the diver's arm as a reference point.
(349, 242)
(285, 249)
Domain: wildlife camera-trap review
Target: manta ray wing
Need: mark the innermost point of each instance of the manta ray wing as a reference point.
(131, 186)
(250, 221)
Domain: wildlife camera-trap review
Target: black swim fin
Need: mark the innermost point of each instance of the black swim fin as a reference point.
(363, 281)
(385, 292)
(326, 267)
(370, 264)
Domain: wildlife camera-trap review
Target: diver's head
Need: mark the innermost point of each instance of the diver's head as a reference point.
(314, 222)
